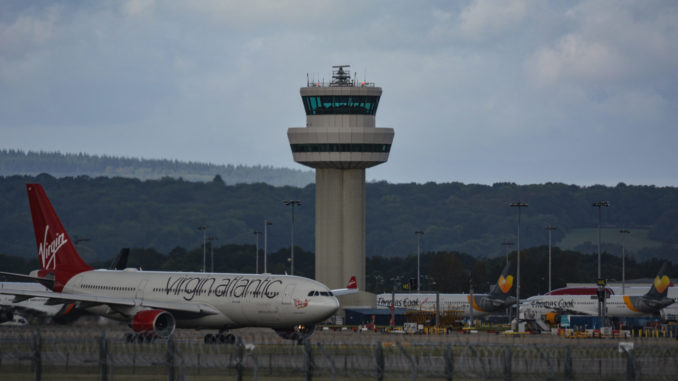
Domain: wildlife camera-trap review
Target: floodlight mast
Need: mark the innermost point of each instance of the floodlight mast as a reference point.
(601, 304)
(518, 205)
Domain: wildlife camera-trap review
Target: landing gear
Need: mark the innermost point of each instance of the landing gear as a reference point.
(219, 338)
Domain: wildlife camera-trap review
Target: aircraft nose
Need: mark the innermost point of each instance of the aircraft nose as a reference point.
(327, 307)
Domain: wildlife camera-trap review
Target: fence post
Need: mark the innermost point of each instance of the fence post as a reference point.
(507, 363)
(255, 374)
(482, 364)
(308, 360)
(103, 357)
(568, 364)
(630, 364)
(379, 359)
(413, 365)
(449, 363)
(170, 359)
(37, 355)
(240, 354)
(331, 360)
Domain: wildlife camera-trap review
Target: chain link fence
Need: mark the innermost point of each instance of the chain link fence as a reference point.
(43, 355)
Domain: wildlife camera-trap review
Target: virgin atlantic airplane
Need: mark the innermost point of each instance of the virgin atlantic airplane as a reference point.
(155, 303)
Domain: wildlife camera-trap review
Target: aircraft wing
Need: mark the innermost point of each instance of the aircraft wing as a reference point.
(86, 300)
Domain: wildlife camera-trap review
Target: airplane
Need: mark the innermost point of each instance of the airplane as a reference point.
(498, 299)
(37, 308)
(154, 303)
(649, 304)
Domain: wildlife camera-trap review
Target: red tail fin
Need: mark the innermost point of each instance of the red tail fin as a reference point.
(352, 283)
(56, 251)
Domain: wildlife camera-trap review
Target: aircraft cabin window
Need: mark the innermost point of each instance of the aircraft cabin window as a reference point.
(310, 293)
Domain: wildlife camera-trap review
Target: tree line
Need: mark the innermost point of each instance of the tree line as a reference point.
(474, 219)
(58, 164)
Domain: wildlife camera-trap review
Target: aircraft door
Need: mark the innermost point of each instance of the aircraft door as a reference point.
(288, 293)
(139, 295)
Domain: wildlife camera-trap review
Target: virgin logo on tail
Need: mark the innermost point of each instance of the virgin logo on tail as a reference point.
(48, 252)
(352, 283)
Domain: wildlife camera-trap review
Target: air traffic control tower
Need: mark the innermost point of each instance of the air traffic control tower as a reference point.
(340, 140)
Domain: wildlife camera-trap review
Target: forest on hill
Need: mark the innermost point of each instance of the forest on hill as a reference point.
(473, 219)
(17, 162)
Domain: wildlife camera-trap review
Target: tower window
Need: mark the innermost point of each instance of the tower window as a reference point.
(345, 104)
(341, 147)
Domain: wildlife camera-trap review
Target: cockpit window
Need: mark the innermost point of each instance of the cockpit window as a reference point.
(324, 293)
(310, 293)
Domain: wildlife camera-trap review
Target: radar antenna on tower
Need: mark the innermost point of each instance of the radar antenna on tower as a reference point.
(341, 77)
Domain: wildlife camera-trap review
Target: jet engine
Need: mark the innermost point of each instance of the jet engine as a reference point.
(6, 314)
(299, 332)
(153, 323)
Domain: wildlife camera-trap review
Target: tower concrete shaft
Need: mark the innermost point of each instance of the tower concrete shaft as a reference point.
(340, 141)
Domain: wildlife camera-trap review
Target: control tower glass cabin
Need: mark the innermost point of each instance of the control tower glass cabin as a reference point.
(340, 140)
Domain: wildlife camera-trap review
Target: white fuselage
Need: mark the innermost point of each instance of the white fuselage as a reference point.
(236, 300)
(616, 305)
(427, 302)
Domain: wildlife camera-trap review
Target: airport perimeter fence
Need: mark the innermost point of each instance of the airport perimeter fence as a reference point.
(37, 356)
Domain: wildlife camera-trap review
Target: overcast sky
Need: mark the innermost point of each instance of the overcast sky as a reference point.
(580, 92)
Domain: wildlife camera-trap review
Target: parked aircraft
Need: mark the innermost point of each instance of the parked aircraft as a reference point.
(155, 303)
(651, 303)
(37, 308)
(483, 304)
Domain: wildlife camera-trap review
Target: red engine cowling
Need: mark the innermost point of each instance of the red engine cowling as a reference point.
(153, 322)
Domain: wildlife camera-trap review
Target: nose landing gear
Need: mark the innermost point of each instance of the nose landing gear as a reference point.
(219, 338)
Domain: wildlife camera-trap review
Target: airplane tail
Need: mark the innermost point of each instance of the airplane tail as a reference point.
(58, 258)
(504, 283)
(660, 286)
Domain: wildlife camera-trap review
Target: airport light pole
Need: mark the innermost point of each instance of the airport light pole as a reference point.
(598, 205)
(601, 303)
(256, 254)
(550, 228)
(266, 224)
(518, 205)
(418, 233)
(623, 232)
(204, 245)
(506, 245)
(292, 203)
(212, 239)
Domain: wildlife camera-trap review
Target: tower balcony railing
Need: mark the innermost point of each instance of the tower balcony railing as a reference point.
(351, 83)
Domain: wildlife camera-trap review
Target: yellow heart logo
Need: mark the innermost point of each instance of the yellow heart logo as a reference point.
(661, 284)
(505, 284)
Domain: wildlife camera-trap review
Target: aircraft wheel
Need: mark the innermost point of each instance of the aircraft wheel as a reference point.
(210, 339)
(129, 337)
(229, 339)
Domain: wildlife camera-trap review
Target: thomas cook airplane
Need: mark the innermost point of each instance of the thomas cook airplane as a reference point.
(616, 305)
(155, 303)
(498, 299)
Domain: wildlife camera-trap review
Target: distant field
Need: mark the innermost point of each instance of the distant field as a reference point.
(633, 242)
